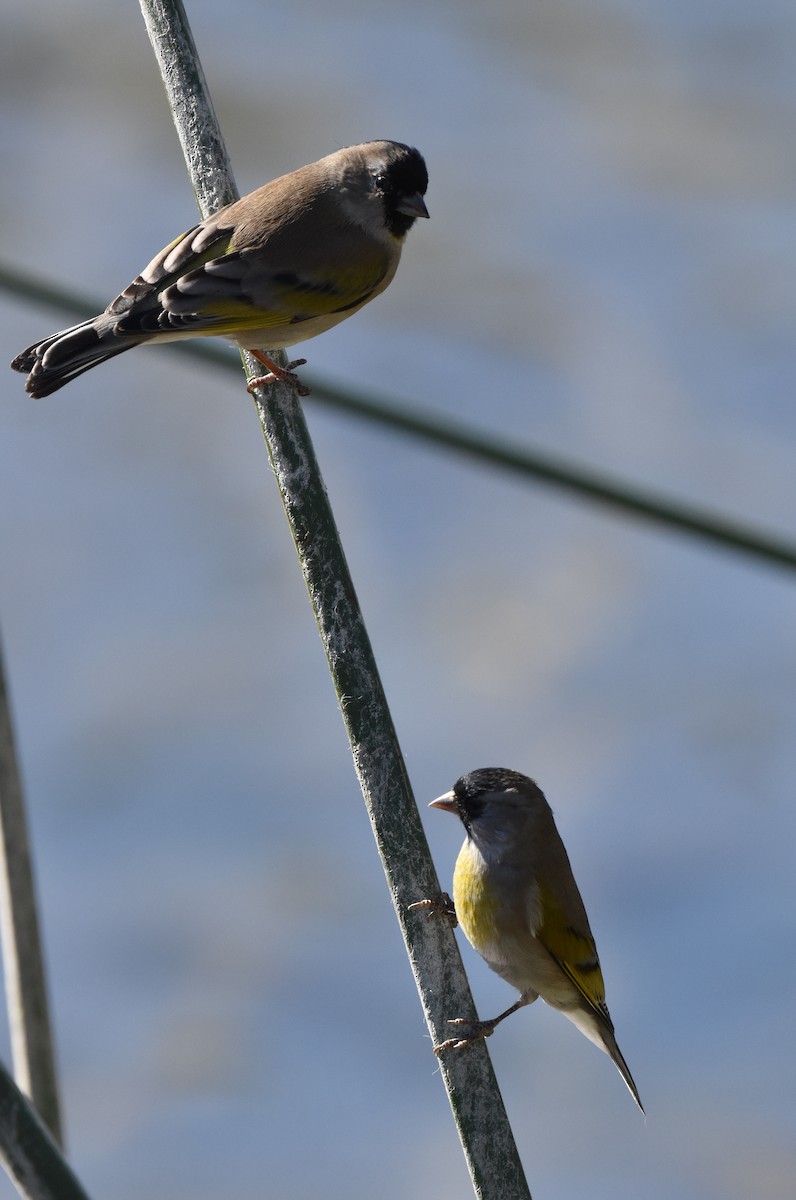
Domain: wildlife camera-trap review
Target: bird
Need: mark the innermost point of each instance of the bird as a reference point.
(515, 897)
(279, 266)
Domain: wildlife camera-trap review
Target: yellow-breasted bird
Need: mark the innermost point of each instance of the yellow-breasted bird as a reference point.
(517, 901)
(281, 265)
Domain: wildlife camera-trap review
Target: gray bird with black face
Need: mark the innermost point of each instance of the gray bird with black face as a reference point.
(282, 265)
(517, 901)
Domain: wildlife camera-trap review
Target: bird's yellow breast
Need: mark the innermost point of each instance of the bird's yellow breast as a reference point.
(476, 903)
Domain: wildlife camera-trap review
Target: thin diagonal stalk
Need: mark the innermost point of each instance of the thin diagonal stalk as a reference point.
(28, 1152)
(532, 464)
(472, 1089)
(32, 1043)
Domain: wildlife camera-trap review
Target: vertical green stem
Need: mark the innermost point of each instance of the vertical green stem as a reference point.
(474, 1096)
(28, 1152)
(23, 958)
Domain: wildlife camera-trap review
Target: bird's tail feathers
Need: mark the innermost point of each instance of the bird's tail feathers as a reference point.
(599, 1029)
(65, 355)
(624, 1070)
(608, 1044)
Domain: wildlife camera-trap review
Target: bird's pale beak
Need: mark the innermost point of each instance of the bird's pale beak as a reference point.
(447, 803)
(413, 206)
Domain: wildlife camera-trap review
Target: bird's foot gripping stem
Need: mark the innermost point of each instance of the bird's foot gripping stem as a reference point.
(277, 373)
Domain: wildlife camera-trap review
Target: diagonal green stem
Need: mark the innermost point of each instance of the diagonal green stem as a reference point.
(472, 1089)
(32, 1043)
(28, 1152)
(533, 464)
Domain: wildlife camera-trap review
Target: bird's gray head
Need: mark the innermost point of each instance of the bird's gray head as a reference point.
(493, 796)
(386, 183)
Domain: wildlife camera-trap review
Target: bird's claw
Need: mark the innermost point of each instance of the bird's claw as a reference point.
(440, 905)
(282, 375)
(477, 1031)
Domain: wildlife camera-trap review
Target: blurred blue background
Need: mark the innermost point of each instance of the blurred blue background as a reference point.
(609, 273)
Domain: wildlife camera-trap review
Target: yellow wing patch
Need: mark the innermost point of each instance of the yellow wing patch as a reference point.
(574, 951)
(291, 299)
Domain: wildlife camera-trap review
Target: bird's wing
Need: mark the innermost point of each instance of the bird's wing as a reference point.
(573, 949)
(243, 289)
(219, 278)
